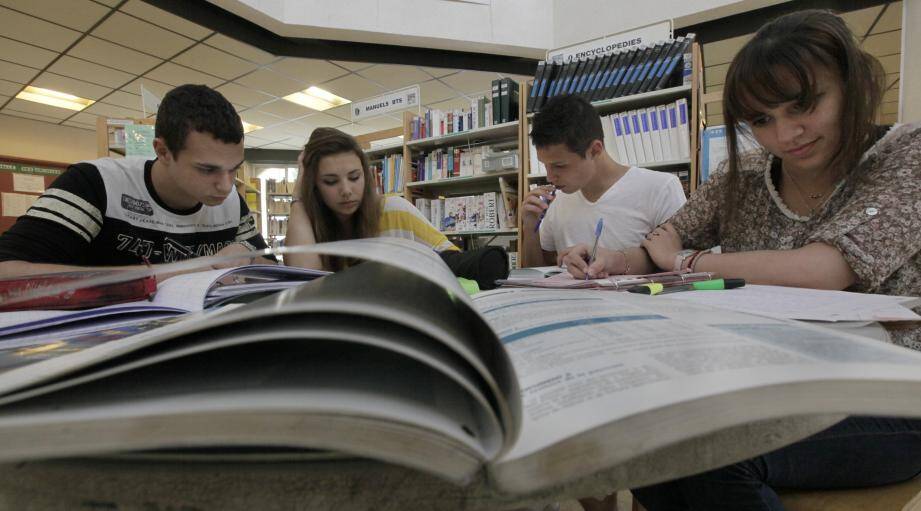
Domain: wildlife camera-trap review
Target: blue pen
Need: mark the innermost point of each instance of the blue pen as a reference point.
(598, 228)
(545, 201)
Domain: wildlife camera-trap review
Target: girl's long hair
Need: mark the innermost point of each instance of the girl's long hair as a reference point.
(779, 65)
(365, 223)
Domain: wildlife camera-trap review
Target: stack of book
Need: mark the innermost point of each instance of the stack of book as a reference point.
(498, 108)
(489, 211)
(635, 70)
(644, 136)
(448, 162)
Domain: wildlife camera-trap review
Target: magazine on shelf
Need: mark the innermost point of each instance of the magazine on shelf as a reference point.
(391, 360)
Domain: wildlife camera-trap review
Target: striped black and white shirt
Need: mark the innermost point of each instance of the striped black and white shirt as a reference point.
(106, 212)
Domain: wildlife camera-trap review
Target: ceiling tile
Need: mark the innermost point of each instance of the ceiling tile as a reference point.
(351, 66)
(891, 107)
(31, 107)
(273, 134)
(87, 127)
(242, 50)
(240, 95)
(353, 87)
(891, 95)
(276, 145)
(260, 118)
(438, 72)
(77, 14)
(25, 54)
(174, 74)
(29, 29)
(70, 85)
(883, 44)
(16, 73)
(891, 19)
(471, 82)
(124, 99)
(270, 82)
(112, 55)
(381, 122)
(215, 62)
(308, 71)
(165, 19)
(434, 91)
(113, 111)
(10, 88)
(356, 129)
(89, 72)
(324, 120)
(859, 21)
(296, 129)
(27, 115)
(891, 63)
(140, 35)
(84, 118)
(343, 112)
(110, 3)
(715, 75)
(286, 109)
(158, 88)
(393, 77)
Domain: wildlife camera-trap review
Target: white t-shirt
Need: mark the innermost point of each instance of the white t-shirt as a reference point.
(631, 208)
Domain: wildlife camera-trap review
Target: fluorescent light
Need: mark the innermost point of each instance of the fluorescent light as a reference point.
(317, 99)
(54, 98)
(272, 173)
(247, 127)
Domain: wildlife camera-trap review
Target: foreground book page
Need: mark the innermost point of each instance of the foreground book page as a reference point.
(125, 396)
(607, 377)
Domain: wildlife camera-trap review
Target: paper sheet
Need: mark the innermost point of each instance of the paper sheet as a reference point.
(16, 204)
(806, 304)
(28, 183)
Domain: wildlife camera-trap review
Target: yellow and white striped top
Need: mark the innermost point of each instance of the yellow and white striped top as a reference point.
(400, 219)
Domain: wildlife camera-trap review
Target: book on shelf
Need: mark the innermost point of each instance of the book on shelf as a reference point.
(390, 360)
(650, 135)
(438, 123)
(490, 211)
(619, 73)
(388, 174)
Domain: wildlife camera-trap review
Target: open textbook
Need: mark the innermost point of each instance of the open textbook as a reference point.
(179, 294)
(390, 360)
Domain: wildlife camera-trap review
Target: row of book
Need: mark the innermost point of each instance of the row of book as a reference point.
(278, 205)
(630, 71)
(388, 174)
(277, 226)
(649, 135)
(485, 212)
(500, 107)
(283, 186)
(449, 162)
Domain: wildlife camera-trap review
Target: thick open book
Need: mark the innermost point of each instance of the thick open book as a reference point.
(391, 361)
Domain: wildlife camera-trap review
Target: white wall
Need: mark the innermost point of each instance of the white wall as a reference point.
(910, 76)
(575, 21)
(511, 27)
(37, 140)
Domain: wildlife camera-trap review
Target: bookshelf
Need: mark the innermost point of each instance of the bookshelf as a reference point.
(690, 92)
(386, 160)
(475, 193)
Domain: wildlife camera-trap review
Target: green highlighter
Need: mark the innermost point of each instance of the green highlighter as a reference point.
(703, 285)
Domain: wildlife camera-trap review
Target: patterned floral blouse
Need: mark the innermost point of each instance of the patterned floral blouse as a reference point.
(873, 217)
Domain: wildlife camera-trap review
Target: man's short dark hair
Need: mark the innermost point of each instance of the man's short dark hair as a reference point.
(199, 108)
(569, 120)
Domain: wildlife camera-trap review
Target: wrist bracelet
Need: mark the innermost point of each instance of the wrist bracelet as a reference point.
(696, 259)
(680, 257)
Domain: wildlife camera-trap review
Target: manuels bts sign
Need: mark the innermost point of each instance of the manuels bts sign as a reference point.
(389, 102)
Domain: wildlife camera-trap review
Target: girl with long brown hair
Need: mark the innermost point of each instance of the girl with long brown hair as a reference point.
(831, 201)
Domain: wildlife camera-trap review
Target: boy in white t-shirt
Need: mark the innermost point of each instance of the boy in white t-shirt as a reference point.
(589, 185)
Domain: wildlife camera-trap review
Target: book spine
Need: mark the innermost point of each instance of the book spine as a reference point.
(628, 138)
(646, 137)
(490, 212)
(633, 71)
(644, 69)
(622, 67)
(673, 64)
(655, 74)
(619, 139)
(604, 70)
(654, 134)
(662, 113)
(684, 135)
(637, 136)
(532, 93)
(503, 101)
(496, 110)
(514, 99)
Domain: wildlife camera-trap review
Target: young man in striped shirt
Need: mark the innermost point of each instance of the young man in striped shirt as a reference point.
(129, 211)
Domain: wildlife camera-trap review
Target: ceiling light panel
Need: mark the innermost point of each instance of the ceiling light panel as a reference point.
(54, 98)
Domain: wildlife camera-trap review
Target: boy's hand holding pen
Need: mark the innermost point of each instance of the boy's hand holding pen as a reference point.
(537, 202)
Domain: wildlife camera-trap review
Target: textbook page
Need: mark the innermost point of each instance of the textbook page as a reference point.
(807, 304)
(589, 359)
